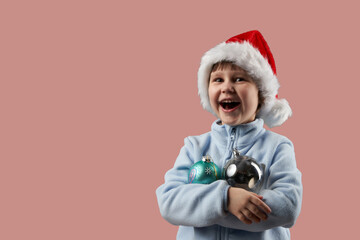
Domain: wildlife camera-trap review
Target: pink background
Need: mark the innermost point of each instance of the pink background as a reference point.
(96, 98)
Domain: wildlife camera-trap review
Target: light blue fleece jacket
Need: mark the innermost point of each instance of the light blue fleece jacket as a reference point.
(200, 210)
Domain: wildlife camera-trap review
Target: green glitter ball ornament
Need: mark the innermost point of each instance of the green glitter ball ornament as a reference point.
(204, 171)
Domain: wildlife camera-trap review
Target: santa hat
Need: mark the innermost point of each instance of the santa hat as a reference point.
(249, 51)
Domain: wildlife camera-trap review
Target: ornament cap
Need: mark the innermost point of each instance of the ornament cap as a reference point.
(207, 158)
(236, 153)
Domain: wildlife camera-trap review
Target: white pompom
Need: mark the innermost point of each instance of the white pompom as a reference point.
(278, 114)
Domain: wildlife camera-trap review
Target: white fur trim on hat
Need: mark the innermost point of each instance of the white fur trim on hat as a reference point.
(274, 112)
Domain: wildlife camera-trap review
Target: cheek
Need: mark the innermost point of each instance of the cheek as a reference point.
(212, 95)
(252, 96)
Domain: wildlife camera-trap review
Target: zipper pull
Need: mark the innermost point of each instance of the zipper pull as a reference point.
(232, 136)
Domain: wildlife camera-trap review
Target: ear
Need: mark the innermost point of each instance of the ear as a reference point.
(261, 100)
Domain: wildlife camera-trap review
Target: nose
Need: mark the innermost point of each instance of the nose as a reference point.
(227, 87)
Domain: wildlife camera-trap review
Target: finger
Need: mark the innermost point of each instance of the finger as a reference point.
(257, 212)
(263, 206)
(255, 194)
(243, 218)
(249, 215)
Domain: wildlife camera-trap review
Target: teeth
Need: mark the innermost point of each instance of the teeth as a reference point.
(226, 101)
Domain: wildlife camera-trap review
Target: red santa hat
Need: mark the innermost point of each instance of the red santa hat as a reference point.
(250, 52)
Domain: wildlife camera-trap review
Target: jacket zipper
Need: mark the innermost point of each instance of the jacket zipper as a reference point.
(224, 231)
(232, 139)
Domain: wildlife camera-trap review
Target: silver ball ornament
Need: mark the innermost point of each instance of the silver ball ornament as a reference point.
(244, 172)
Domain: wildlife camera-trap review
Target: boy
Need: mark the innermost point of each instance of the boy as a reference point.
(237, 83)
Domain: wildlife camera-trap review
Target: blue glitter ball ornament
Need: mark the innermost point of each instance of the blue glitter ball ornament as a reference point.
(204, 171)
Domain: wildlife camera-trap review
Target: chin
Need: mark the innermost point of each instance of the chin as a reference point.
(235, 122)
(230, 123)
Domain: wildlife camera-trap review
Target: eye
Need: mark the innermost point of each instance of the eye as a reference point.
(217, 80)
(239, 79)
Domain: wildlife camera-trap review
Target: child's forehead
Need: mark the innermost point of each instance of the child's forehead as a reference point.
(226, 66)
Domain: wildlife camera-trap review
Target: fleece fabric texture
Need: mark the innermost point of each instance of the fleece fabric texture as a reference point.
(200, 210)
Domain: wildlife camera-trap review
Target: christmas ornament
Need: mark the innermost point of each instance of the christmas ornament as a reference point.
(244, 172)
(204, 171)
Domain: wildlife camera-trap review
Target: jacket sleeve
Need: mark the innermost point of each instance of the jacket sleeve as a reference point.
(197, 205)
(283, 193)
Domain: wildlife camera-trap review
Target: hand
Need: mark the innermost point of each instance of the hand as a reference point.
(247, 206)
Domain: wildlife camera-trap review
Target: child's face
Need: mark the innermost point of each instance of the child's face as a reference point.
(233, 95)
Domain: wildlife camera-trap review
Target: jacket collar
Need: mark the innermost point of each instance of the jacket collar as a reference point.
(244, 134)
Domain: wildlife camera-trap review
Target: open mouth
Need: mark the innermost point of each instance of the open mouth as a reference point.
(229, 105)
